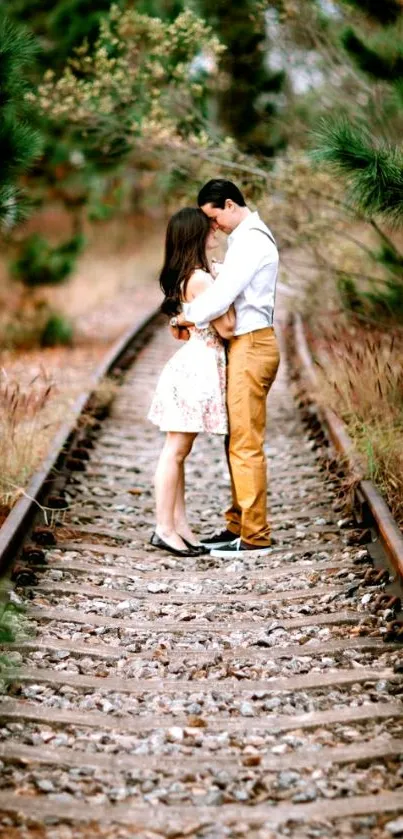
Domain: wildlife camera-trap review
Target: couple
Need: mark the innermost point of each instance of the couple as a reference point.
(201, 381)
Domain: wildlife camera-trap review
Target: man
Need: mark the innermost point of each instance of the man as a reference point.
(247, 279)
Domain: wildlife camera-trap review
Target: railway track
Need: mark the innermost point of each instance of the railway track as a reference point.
(156, 696)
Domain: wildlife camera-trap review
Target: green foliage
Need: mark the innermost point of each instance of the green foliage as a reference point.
(349, 294)
(17, 51)
(9, 615)
(35, 324)
(20, 143)
(12, 629)
(16, 151)
(374, 170)
(57, 330)
(383, 11)
(165, 9)
(382, 303)
(247, 100)
(73, 21)
(386, 302)
(134, 87)
(41, 264)
(390, 259)
(381, 58)
(62, 26)
(8, 611)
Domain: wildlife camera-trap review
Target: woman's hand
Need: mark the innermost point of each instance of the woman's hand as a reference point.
(181, 333)
(215, 268)
(180, 320)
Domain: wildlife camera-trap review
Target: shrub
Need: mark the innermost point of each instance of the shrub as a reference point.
(41, 264)
(57, 330)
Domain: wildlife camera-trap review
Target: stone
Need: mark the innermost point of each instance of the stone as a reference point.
(175, 734)
(246, 709)
(214, 798)
(241, 795)
(272, 704)
(287, 779)
(55, 574)
(194, 708)
(45, 785)
(308, 794)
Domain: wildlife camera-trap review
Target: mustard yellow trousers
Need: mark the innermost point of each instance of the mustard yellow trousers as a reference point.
(253, 361)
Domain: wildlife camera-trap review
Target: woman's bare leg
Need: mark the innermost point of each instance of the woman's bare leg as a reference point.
(167, 480)
(180, 517)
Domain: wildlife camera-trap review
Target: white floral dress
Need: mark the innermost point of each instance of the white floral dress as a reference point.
(191, 391)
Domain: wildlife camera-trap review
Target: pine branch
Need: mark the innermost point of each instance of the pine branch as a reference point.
(20, 143)
(374, 172)
(17, 51)
(383, 11)
(381, 58)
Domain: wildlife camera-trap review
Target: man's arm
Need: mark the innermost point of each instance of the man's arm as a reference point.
(236, 273)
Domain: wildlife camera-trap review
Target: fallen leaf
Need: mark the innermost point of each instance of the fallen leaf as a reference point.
(251, 760)
(196, 722)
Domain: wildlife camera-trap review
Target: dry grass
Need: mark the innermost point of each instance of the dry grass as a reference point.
(361, 376)
(22, 423)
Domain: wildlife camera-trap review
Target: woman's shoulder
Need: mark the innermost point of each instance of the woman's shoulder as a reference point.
(200, 273)
(198, 282)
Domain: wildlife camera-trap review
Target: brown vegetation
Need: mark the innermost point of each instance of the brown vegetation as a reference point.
(23, 420)
(361, 378)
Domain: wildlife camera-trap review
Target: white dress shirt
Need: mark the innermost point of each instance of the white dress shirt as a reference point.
(247, 278)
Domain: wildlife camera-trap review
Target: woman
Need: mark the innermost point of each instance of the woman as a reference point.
(190, 395)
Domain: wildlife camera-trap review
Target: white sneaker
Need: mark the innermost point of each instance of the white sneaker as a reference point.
(237, 549)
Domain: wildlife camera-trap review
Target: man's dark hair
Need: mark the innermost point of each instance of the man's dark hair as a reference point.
(217, 191)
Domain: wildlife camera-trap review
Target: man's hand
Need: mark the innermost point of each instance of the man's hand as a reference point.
(181, 333)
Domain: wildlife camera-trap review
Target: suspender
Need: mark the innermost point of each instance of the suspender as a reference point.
(265, 233)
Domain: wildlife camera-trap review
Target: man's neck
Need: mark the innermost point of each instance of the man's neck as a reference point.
(244, 213)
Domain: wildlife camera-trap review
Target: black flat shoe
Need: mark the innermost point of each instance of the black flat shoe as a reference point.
(201, 549)
(157, 542)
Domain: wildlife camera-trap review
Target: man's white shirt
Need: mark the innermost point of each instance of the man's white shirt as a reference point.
(247, 279)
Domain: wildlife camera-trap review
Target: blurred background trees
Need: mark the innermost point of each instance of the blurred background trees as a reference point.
(113, 88)
(248, 94)
(134, 104)
(365, 149)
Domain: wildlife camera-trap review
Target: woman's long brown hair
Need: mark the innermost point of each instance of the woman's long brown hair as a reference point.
(185, 250)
